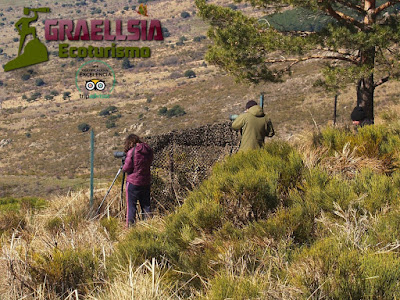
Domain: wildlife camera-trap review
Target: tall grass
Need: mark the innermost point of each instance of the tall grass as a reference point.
(312, 221)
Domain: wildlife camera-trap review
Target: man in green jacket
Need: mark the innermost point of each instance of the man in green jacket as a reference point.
(254, 126)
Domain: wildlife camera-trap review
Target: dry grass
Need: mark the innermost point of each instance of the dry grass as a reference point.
(348, 163)
(74, 232)
(352, 225)
(248, 261)
(141, 283)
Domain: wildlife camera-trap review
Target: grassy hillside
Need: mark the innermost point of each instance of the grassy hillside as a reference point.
(47, 153)
(315, 218)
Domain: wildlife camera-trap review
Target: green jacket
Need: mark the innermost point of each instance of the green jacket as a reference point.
(255, 127)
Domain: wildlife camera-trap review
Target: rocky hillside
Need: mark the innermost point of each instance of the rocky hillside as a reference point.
(42, 149)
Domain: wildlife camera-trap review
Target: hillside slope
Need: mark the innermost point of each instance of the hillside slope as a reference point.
(310, 220)
(43, 152)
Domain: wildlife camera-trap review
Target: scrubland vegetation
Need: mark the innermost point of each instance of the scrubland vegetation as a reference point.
(314, 219)
(317, 218)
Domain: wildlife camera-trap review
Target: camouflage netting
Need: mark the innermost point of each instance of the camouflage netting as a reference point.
(182, 159)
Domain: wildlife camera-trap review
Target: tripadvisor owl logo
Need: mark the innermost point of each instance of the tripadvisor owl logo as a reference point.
(95, 79)
(35, 51)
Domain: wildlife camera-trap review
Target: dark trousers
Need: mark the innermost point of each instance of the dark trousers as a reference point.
(133, 194)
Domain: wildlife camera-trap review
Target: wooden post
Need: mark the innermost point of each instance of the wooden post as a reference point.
(91, 167)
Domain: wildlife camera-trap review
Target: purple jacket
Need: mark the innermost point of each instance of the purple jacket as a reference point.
(138, 172)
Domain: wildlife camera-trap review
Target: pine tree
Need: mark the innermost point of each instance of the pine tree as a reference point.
(358, 42)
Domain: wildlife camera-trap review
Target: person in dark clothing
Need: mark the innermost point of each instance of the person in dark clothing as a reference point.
(359, 117)
(139, 157)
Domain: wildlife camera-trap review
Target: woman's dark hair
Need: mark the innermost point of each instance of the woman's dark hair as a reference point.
(130, 142)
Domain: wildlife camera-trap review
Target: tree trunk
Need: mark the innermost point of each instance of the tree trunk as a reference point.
(365, 96)
(366, 85)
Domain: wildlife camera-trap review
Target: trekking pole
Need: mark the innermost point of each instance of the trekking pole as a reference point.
(116, 176)
(122, 192)
(262, 100)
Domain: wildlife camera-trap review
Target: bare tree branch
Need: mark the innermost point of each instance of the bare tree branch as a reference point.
(295, 61)
(341, 16)
(382, 81)
(354, 55)
(386, 5)
(352, 6)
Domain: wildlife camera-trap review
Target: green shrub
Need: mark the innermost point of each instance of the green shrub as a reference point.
(162, 111)
(331, 268)
(54, 225)
(251, 182)
(114, 117)
(141, 244)
(175, 111)
(166, 32)
(83, 127)
(72, 221)
(199, 38)
(226, 286)
(245, 187)
(67, 270)
(108, 110)
(233, 6)
(66, 95)
(189, 74)
(285, 222)
(111, 226)
(370, 140)
(376, 190)
(185, 14)
(35, 96)
(25, 77)
(126, 64)
(11, 220)
(110, 124)
(39, 82)
(14, 210)
(17, 204)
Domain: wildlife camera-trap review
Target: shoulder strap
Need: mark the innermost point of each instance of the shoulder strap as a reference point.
(270, 129)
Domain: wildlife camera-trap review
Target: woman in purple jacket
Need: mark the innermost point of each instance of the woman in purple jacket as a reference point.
(139, 157)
